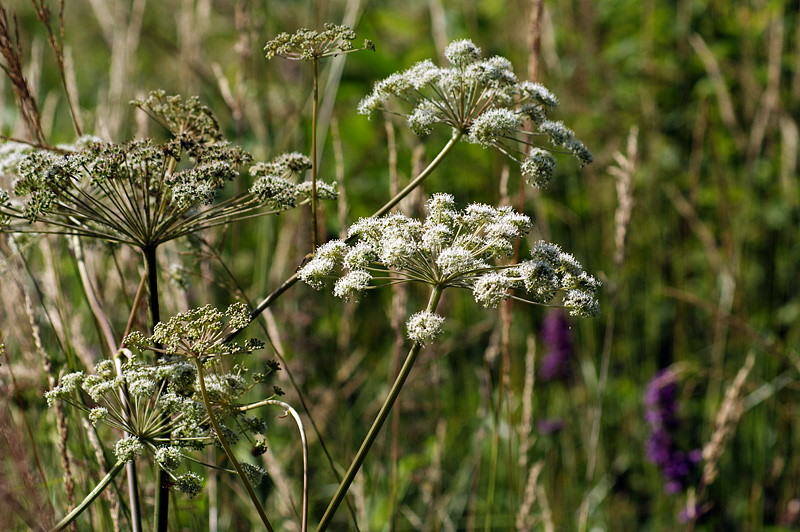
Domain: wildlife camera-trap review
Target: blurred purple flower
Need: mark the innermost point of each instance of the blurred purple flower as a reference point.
(661, 414)
(557, 340)
(550, 426)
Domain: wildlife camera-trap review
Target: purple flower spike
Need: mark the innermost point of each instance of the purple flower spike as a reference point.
(557, 340)
(661, 414)
(550, 426)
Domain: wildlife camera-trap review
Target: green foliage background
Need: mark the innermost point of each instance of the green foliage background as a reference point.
(710, 270)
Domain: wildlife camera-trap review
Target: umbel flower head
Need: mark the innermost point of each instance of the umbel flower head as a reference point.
(159, 406)
(198, 332)
(311, 45)
(274, 183)
(138, 193)
(453, 248)
(483, 101)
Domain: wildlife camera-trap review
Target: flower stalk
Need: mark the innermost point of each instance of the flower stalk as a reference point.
(161, 515)
(105, 481)
(228, 451)
(383, 414)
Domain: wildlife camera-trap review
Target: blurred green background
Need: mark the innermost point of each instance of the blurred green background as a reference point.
(709, 272)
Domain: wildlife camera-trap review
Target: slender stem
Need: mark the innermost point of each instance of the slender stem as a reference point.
(224, 442)
(161, 517)
(314, 162)
(386, 408)
(597, 411)
(493, 474)
(303, 440)
(421, 177)
(105, 481)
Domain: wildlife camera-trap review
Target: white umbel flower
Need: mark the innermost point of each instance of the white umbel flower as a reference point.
(424, 327)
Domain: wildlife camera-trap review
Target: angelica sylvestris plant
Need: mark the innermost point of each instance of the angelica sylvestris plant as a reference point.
(450, 248)
(183, 386)
(174, 406)
(311, 45)
(482, 101)
(141, 193)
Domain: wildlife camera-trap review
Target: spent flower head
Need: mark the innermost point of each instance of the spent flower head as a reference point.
(198, 332)
(139, 193)
(275, 182)
(483, 102)
(312, 45)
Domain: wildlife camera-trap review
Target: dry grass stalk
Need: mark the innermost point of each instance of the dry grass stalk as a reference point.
(699, 227)
(526, 425)
(20, 496)
(525, 521)
(57, 45)
(727, 417)
(790, 142)
(770, 100)
(61, 423)
(11, 50)
(726, 108)
(285, 500)
(547, 515)
(438, 26)
(623, 172)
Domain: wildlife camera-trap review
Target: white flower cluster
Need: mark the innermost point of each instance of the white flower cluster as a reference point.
(128, 448)
(169, 458)
(482, 100)
(274, 183)
(424, 327)
(190, 484)
(452, 248)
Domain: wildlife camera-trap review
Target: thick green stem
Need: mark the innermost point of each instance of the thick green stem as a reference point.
(70, 517)
(161, 517)
(386, 408)
(421, 177)
(314, 162)
(228, 451)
